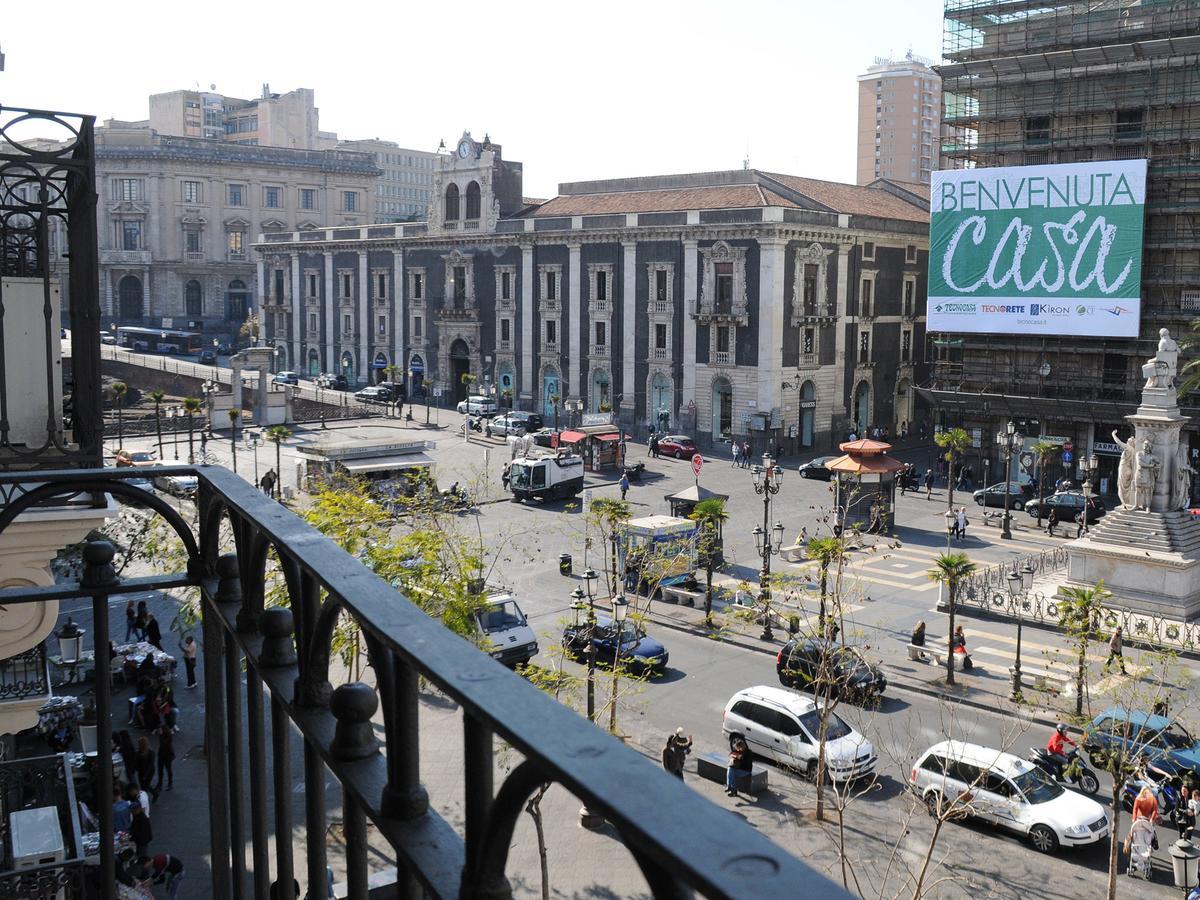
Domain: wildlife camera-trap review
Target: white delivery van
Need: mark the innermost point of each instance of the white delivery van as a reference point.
(509, 637)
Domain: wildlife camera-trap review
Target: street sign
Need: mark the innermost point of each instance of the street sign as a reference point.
(1068, 446)
(697, 463)
(1067, 456)
(1027, 459)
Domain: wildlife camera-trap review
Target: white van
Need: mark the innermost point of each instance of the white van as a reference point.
(510, 640)
(1006, 790)
(783, 726)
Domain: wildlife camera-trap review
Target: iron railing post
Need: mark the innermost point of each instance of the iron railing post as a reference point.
(98, 572)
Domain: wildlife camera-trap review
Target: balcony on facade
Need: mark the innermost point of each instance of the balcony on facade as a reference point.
(599, 351)
(662, 308)
(722, 358)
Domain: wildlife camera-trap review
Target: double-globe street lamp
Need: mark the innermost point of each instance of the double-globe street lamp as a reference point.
(1090, 467)
(1020, 583)
(768, 541)
(1009, 438)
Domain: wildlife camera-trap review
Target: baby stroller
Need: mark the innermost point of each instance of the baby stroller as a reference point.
(1141, 846)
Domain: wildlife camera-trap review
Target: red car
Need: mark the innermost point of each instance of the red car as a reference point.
(677, 445)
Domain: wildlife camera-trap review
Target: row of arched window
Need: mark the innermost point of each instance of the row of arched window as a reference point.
(472, 205)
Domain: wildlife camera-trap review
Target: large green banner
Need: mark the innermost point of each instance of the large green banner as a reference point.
(1054, 250)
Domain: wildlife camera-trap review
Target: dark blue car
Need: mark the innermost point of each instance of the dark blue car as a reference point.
(1157, 738)
(638, 651)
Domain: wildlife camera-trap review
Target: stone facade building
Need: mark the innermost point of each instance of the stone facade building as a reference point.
(731, 303)
(177, 215)
(404, 191)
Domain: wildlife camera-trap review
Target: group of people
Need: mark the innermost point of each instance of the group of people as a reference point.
(141, 623)
(679, 745)
(957, 522)
(741, 455)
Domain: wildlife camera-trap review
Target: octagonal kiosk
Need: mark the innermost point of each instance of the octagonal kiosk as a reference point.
(865, 486)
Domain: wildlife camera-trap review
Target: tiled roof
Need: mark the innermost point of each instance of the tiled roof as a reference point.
(853, 199)
(733, 196)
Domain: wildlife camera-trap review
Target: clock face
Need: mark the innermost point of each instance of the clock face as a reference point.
(464, 149)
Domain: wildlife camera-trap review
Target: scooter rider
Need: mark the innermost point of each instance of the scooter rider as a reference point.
(1056, 748)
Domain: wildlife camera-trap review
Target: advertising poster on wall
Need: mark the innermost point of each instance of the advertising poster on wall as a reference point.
(1045, 250)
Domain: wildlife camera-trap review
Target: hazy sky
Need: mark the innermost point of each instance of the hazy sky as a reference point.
(575, 91)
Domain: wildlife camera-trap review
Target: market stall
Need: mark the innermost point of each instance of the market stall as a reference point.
(683, 504)
(601, 446)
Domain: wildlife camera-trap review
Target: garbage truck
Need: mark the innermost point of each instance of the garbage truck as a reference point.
(549, 477)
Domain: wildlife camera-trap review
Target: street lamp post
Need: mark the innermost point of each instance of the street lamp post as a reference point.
(1020, 582)
(216, 346)
(586, 612)
(173, 415)
(620, 610)
(253, 439)
(768, 479)
(1090, 465)
(1010, 438)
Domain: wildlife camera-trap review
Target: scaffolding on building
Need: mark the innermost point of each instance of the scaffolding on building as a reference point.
(1027, 83)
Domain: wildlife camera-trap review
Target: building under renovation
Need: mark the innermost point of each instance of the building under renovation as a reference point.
(1030, 83)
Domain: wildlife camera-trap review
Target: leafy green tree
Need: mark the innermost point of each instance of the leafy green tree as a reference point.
(955, 442)
(711, 515)
(950, 569)
(1042, 449)
(609, 514)
(1079, 613)
(828, 552)
(158, 397)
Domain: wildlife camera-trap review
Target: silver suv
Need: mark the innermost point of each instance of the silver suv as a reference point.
(783, 726)
(477, 406)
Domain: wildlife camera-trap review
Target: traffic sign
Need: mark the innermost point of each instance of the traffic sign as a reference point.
(1067, 456)
(697, 462)
(1068, 446)
(1026, 459)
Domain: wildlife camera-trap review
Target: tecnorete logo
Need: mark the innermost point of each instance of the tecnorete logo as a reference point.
(1002, 308)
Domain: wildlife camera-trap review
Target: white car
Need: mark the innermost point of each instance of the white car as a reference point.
(177, 485)
(477, 406)
(783, 726)
(506, 425)
(1006, 790)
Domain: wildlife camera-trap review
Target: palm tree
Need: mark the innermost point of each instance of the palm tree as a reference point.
(277, 434)
(710, 514)
(954, 441)
(191, 406)
(1079, 613)
(120, 389)
(950, 569)
(826, 551)
(234, 416)
(391, 370)
(1041, 450)
(158, 397)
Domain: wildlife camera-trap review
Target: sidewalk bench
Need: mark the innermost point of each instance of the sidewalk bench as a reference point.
(676, 594)
(934, 652)
(713, 765)
(794, 554)
(1045, 680)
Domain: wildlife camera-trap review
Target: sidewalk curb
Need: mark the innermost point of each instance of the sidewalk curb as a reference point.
(901, 683)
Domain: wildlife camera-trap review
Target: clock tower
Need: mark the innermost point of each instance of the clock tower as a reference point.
(474, 187)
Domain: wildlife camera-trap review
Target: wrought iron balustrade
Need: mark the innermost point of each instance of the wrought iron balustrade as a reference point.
(39, 783)
(680, 841)
(25, 675)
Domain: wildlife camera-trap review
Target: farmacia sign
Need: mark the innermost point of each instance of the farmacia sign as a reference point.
(1053, 250)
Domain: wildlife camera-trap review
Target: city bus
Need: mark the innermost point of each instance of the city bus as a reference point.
(159, 340)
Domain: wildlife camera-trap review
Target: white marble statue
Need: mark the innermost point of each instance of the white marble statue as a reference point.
(1168, 352)
(1181, 492)
(1146, 467)
(1157, 374)
(1125, 492)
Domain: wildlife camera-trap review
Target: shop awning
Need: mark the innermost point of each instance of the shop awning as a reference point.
(609, 437)
(384, 463)
(571, 437)
(864, 465)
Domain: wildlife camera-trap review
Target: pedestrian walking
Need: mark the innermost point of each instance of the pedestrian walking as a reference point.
(745, 454)
(143, 765)
(136, 795)
(741, 761)
(737, 454)
(130, 618)
(1115, 645)
(654, 445)
(1052, 520)
(188, 648)
(951, 517)
(140, 830)
(929, 484)
(163, 869)
(122, 810)
(153, 632)
(139, 621)
(962, 522)
(674, 754)
(166, 756)
(623, 484)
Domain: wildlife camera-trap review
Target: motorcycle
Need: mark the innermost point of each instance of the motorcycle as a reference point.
(1162, 784)
(475, 423)
(634, 472)
(455, 499)
(1074, 771)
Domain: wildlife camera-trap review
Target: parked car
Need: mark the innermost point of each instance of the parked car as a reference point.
(817, 468)
(677, 445)
(543, 437)
(506, 425)
(224, 348)
(393, 389)
(477, 406)
(1165, 743)
(373, 394)
(532, 421)
(994, 495)
(1008, 791)
(208, 357)
(1068, 503)
(286, 378)
(333, 382)
(107, 337)
(638, 651)
(784, 726)
(177, 485)
(806, 663)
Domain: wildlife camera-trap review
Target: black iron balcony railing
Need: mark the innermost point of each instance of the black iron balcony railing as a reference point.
(680, 841)
(43, 782)
(24, 675)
